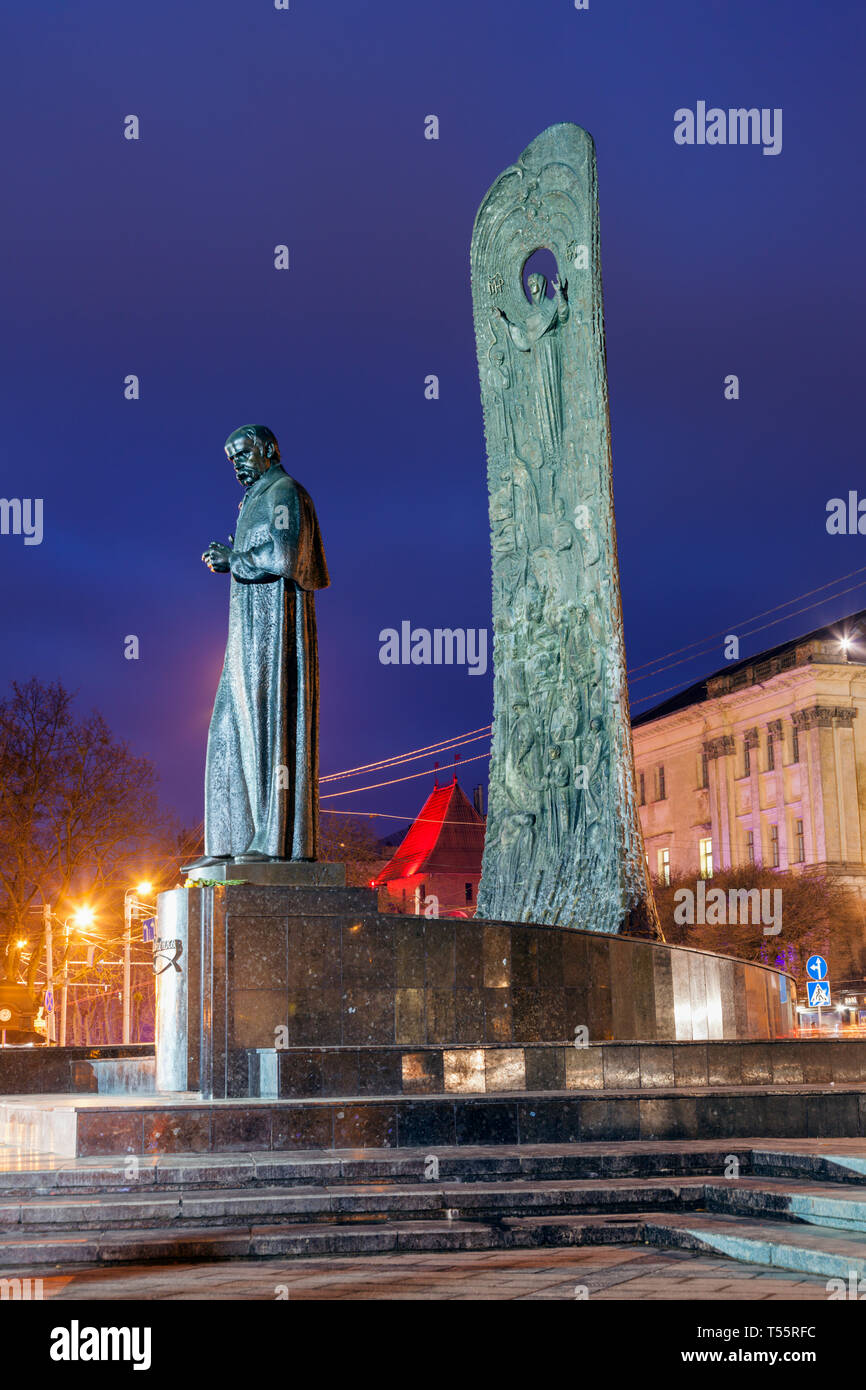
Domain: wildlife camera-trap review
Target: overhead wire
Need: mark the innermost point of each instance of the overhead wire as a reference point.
(475, 735)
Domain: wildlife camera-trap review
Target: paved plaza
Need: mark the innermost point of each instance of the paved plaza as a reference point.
(623, 1272)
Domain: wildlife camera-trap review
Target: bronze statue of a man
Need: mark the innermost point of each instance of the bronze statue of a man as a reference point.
(261, 783)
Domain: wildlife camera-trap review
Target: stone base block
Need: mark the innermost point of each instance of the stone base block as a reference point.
(87, 1127)
(256, 967)
(289, 873)
(308, 1072)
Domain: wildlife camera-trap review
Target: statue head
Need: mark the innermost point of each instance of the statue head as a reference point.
(251, 450)
(537, 286)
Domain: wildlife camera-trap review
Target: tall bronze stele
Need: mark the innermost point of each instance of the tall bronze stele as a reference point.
(261, 782)
(563, 842)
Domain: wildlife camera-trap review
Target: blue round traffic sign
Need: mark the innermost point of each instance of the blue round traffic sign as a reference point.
(816, 966)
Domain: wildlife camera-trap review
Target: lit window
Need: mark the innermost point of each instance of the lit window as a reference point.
(801, 843)
(705, 849)
(664, 867)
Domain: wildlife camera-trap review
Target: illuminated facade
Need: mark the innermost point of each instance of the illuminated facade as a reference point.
(761, 763)
(437, 868)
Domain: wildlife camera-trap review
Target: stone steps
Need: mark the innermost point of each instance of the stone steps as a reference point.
(47, 1175)
(569, 1162)
(353, 1203)
(750, 1198)
(311, 1239)
(823, 1207)
(810, 1249)
(228, 1207)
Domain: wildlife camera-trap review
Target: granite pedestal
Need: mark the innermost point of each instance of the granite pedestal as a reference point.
(316, 974)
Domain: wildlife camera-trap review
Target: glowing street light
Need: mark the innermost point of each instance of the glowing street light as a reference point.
(83, 917)
(134, 905)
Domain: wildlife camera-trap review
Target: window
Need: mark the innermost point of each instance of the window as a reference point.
(747, 759)
(705, 849)
(801, 842)
(664, 866)
(795, 744)
(771, 753)
(705, 771)
(469, 892)
(774, 846)
(641, 783)
(660, 780)
(750, 846)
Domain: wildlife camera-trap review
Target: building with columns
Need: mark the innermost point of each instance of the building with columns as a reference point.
(763, 762)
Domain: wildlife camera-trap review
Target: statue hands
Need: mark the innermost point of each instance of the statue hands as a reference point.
(217, 557)
(560, 287)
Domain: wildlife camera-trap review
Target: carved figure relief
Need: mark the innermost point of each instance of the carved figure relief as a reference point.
(563, 842)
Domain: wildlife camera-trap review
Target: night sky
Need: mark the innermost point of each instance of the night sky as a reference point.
(306, 127)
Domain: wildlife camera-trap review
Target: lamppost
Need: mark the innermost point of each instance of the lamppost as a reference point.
(82, 917)
(51, 1018)
(133, 907)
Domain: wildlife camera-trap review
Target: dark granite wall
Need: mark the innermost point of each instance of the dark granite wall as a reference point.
(297, 967)
(26, 1071)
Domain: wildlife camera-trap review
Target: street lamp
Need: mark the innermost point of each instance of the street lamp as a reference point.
(81, 917)
(133, 906)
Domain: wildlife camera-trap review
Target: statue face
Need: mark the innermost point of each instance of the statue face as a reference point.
(536, 284)
(248, 458)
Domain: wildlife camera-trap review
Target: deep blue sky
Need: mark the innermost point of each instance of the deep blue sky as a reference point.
(306, 127)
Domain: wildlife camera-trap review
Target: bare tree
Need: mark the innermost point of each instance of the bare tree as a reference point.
(350, 840)
(78, 810)
(818, 914)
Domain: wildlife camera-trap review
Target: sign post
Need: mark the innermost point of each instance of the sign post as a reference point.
(817, 986)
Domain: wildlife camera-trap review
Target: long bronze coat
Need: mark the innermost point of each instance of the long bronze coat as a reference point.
(261, 782)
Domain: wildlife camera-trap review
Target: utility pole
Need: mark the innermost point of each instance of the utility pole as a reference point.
(65, 988)
(128, 903)
(135, 905)
(51, 1019)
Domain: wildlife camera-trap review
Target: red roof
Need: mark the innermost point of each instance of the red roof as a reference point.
(447, 836)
